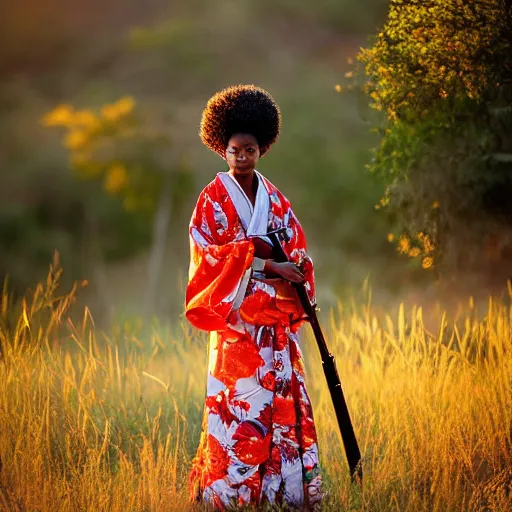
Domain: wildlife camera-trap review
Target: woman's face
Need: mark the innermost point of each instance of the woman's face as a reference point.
(242, 153)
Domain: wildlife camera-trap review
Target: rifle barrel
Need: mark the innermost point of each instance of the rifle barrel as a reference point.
(331, 374)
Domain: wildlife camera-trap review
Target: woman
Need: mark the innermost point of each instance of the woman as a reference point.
(259, 441)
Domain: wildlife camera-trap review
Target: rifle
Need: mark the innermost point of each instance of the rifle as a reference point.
(329, 365)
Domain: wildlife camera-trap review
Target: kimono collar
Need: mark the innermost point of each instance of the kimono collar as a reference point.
(254, 219)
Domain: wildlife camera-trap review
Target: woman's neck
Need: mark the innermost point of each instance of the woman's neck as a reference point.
(248, 182)
(245, 180)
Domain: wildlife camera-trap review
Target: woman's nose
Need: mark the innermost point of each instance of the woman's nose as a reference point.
(240, 157)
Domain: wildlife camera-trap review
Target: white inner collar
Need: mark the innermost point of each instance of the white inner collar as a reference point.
(254, 219)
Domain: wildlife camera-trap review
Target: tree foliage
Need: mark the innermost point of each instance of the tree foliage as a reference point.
(133, 161)
(117, 148)
(440, 71)
(436, 49)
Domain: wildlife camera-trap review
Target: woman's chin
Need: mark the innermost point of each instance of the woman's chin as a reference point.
(243, 170)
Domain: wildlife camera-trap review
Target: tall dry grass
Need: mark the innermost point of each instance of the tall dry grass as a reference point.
(96, 421)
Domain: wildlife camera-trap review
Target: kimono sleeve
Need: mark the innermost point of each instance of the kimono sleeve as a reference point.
(217, 270)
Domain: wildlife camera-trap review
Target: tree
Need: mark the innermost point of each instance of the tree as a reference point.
(135, 163)
(440, 72)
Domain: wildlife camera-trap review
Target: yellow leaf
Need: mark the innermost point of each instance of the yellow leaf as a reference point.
(403, 244)
(414, 252)
(116, 178)
(75, 139)
(122, 107)
(125, 105)
(427, 262)
(61, 115)
(110, 113)
(86, 118)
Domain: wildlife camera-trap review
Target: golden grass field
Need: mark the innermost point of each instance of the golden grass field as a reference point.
(94, 421)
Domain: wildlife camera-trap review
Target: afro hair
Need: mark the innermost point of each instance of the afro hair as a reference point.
(240, 109)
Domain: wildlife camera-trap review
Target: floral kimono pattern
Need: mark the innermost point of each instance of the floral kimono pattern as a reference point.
(259, 441)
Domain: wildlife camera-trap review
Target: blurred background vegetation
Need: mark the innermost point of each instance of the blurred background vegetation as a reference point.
(441, 73)
(100, 159)
(169, 58)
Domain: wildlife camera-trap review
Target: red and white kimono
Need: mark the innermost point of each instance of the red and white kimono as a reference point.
(259, 441)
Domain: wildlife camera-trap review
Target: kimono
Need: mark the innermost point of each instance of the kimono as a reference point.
(259, 441)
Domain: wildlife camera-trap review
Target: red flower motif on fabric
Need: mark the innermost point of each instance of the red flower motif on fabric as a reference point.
(296, 359)
(278, 365)
(218, 460)
(236, 360)
(273, 465)
(252, 446)
(284, 411)
(308, 432)
(265, 416)
(254, 484)
(242, 404)
(255, 307)
(269, 380)
(281, 340)
(289, 452)
(218, 404)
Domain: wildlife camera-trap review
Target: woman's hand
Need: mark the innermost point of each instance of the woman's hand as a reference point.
(287, 270)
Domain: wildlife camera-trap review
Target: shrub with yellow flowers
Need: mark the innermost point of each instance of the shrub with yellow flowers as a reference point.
(134, 162)
(431, 50)
(420, 247)
(439, 76)
(93, 139)
(112, 144)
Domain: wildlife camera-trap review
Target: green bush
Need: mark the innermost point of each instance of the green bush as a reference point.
(441, 73)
